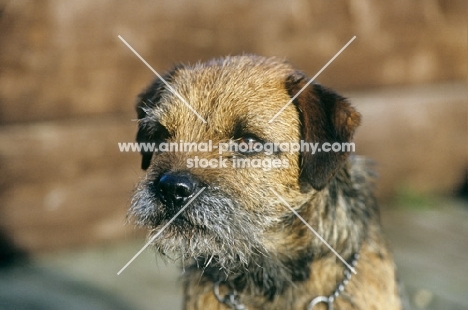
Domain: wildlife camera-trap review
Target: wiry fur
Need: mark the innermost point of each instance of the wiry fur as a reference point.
(238, 232)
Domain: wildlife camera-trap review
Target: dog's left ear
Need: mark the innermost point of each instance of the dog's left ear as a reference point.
(146, 101)
(325, 117)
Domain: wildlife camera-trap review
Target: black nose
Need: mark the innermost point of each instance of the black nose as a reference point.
(174, 188)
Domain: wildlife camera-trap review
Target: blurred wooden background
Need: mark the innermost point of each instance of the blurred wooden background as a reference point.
(67, 89)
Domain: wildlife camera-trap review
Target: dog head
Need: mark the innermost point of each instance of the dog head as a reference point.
(234, 101)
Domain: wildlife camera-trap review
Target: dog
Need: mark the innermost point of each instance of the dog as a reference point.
(300, 232)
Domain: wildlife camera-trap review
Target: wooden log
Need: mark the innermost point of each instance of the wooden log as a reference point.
(65, 183)
(60, 59)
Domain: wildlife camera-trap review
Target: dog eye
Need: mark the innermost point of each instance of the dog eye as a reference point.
(249, 144)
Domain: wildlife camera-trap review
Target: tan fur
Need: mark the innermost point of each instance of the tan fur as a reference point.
(330, 191)
(374, 291)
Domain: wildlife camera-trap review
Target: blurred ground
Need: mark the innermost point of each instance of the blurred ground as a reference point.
(429, 239)
(430, 244)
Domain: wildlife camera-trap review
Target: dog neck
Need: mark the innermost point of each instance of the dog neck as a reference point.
(232, 299)
(346, 204)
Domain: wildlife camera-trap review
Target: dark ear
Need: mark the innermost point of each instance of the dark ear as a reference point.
(146, 102)
(325, 117)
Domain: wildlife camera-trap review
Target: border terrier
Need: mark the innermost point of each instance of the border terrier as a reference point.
(246, 235)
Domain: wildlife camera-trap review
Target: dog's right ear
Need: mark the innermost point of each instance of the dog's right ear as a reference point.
(146, 102)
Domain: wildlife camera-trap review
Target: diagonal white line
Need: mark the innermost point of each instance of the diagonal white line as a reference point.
(313, 230)
(160, 231)
(311, 80)
(164, 81)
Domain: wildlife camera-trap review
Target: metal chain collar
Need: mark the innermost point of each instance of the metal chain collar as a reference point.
(232, 298)
(338, 290)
